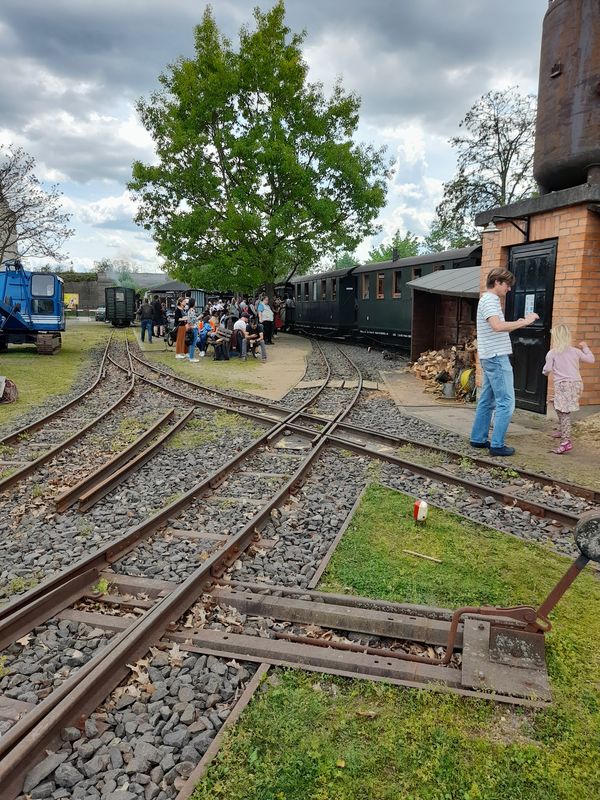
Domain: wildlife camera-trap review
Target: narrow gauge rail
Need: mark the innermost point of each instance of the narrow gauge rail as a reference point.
(23, 744)
(217, 399)
(382, 446)
(159, 376)
(27, 429)
(35, 730)
(55, 430)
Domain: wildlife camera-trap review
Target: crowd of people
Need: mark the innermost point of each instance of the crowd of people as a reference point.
(239, 327)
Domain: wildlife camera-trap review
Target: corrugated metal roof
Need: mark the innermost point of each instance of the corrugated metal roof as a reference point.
(455, 282)
(170, 286)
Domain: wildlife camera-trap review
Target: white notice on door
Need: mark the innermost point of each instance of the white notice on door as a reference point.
(529, 303)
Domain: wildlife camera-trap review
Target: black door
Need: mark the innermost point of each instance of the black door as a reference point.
(533, 267)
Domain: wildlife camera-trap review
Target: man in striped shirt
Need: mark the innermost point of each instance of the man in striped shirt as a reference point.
(494, 348)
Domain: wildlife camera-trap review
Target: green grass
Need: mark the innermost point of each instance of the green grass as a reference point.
(232, 374)
(39, 377)
(18, 585)
(198, 432)
(317, 738)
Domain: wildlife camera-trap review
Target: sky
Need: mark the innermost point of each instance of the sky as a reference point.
(71, 72)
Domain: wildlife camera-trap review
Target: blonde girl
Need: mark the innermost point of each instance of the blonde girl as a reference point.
(563, 362)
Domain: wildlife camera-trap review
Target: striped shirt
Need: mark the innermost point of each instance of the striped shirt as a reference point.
(491, 343)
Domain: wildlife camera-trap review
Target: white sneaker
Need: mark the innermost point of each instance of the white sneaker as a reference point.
(202, 353)
(193, 360)
(179, 355)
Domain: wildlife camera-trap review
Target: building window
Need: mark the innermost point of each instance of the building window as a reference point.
(306, 294)
(334, 288)
(365, 287)
(417, 272)
(397, 284)
(438, 267)
(380, 290)
(324, 289)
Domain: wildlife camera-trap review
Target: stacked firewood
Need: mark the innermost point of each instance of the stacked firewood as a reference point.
(440, 366)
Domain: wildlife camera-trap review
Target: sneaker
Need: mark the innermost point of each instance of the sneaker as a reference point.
(202, 353)
(179, 355)
(502, 451)
(480, 444)
(564, 447)
(193, 360)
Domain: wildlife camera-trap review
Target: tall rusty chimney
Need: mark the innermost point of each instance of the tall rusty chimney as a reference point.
(567, 144)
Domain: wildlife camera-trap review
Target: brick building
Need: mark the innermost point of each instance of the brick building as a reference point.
(554, 241)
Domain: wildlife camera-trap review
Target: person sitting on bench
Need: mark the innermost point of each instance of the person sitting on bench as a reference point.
(253, 339)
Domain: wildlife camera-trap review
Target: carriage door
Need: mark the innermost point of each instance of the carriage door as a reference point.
(533, 266)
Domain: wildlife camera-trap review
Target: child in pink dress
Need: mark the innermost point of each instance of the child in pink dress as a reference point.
(563, 362)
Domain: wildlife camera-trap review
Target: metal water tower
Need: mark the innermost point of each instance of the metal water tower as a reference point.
(567, 145)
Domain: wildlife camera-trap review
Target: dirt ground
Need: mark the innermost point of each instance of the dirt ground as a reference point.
(284, 367)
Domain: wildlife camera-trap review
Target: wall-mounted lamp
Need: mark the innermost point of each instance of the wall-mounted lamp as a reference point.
(491, 227)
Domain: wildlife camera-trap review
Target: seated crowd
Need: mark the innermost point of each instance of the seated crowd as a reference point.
(239, 328)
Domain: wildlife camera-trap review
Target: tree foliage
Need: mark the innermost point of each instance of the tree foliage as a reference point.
(405, 246)
(258, 175)
(31, 220)
(345, 261)
(447, 236)
(494, 161)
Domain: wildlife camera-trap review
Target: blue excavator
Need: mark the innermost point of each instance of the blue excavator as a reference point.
(31, 308)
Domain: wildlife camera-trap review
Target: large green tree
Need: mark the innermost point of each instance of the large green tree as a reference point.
(494, 162)
(405, 246)
(257, 174)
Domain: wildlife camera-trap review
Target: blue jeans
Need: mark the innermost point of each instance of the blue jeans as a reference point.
(497, 392)
(147, 328)
(192, 347)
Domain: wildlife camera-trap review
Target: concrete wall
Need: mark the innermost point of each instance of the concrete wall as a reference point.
(91, 293)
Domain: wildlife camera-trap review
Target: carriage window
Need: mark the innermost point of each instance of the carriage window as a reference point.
(417, 272)
(334, 288)
(397, 285)
(42, 285)
(380, 291)
(306, 295)
(314, 285)
(120, 297)
(324, 290)
(438, 267)
(365, 287)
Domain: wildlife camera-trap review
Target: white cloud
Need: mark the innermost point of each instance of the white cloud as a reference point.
(108, 210)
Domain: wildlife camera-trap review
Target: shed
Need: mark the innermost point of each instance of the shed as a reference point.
(444, 306)
(171, 290)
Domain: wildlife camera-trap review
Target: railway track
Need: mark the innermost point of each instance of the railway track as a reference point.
(186, 611)
(44, 601)
(531, 492)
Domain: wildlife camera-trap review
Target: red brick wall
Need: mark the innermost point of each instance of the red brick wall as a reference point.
(577, 277)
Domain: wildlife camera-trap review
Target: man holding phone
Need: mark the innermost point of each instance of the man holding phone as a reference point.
(494, 348)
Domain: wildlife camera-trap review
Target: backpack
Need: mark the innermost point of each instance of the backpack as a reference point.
(8, 391)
